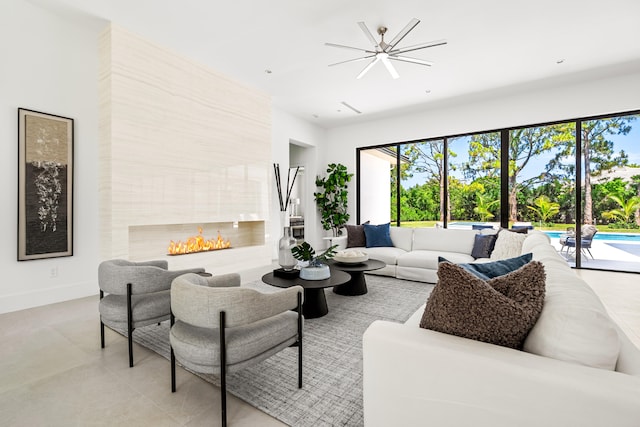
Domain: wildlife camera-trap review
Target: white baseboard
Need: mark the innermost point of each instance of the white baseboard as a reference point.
(40, 297)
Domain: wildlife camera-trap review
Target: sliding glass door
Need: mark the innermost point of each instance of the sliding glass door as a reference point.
(577, 181)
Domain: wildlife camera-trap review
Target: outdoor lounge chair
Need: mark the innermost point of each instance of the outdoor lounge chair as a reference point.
(588, 232)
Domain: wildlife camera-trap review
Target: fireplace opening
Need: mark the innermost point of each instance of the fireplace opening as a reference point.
(199, 243)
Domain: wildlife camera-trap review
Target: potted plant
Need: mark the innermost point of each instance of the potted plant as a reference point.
(316, 269)
(332, 198)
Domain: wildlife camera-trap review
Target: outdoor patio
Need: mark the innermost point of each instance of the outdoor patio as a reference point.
(607, 255)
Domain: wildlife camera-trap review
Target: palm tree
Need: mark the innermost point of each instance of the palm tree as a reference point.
(626, 211)
(483, 207)
(545, 209)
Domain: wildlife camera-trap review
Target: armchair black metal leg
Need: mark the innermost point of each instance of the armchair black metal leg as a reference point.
(299, 340)
(173, 361)
(223, 371)
(101, 324)
(130, 325)
(101, 334)
(173, 371)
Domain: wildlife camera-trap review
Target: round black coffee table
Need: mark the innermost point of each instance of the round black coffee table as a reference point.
(315, 303)
(357, 285)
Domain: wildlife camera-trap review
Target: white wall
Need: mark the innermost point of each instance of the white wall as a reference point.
(563, 100)
(49, 64)
(376, 207)
(287, 129)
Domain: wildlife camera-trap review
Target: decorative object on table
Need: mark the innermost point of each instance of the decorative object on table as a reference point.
(332, 198)
(286, 274)
(316, 269)
(45, 185)
(351, 256)
(287, 241)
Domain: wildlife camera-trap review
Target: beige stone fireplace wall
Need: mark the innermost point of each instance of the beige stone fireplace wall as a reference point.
(180, 144)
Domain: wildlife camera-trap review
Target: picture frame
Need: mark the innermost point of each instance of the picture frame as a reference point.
(45, 185)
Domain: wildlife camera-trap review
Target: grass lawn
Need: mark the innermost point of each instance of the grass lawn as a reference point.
(546, 227)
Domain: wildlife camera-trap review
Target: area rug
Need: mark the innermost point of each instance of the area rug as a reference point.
(332, 359)
(632, 248)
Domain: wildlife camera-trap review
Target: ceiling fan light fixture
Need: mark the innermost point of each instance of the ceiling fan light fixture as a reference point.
(385, 52)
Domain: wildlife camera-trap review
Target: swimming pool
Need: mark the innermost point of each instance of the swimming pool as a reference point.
(622, 237)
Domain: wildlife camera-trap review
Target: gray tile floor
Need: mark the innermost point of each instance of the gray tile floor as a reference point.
(53, 372)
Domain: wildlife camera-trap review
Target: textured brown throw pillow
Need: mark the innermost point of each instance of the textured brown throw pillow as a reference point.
(499, 311)
(355, 236)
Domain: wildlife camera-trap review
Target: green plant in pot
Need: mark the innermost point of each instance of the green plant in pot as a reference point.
(316, 269)
(332, 198)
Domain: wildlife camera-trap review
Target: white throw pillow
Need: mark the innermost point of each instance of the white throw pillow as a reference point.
(508, 245)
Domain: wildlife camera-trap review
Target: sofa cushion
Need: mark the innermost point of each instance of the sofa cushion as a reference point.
(377, 235)
(444, 240)
(483, 245)
(388, 255)
(489, 270)
(508, 245)
(574, 325)
(429, 259)
(402, 237)
(498, 311)
(355, 236)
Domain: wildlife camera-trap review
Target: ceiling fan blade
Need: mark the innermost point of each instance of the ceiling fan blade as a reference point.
(368, 67)
(410, 26)
(418, 46)
(352, 60)
(390, 68)
(367, 33)
(411, 60)
(349, 47)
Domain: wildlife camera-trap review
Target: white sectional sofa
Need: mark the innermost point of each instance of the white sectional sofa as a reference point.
(415, 251)
(578, 367)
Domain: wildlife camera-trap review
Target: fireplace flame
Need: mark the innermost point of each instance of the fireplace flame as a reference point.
(198, 243)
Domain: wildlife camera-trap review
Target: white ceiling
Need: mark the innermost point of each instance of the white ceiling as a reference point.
(492, 45)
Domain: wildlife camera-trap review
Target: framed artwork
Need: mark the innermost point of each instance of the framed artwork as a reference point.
(45, 185)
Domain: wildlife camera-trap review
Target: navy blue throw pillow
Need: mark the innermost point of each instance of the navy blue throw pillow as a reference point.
(489, 270)
(483, 245)
(377, 235)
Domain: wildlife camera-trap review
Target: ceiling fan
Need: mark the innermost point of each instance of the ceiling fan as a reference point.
(384, 52)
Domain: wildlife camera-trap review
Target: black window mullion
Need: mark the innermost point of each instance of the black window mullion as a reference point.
(504, 178)
(578, 185)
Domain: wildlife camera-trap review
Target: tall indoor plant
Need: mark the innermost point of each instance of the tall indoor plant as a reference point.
(332, 197)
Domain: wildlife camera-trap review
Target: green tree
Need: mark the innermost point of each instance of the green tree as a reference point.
(545, 208)
(635, 184)
(598, 154)
(524, 145)
(626, 208)
(484, 205)
(428, 157)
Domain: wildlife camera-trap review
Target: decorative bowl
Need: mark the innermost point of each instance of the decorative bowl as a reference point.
(315, 273)
(351, 258)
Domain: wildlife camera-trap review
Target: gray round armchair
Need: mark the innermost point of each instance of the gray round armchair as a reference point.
(135, 294)
(219, 327)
